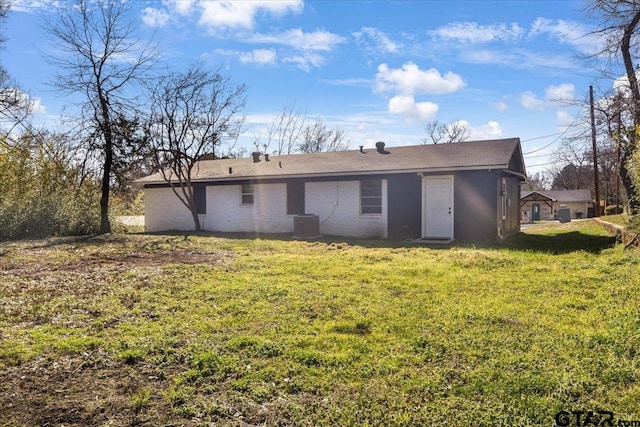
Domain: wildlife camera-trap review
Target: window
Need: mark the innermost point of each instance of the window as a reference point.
(503, 195)
(295, 198)
(247, 194)
(371, 196)
(200, 198)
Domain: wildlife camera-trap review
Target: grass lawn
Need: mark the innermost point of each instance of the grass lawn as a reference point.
(204, 330)
(620, 219)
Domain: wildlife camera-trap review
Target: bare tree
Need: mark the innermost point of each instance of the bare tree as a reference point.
(452, 132)
(99, 57)
(284, 132)
(619, 22)
(537, 181)
(192, 115)
(318, 137)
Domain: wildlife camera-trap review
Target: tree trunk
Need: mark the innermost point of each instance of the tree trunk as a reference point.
(196, 220)
(629, 185)
(630, 147)
(105, 224)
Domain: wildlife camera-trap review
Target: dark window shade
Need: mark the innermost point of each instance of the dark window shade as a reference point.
(295, 198)
(200, 198)
(371, 196)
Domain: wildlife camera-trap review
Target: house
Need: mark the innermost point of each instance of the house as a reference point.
(544, 204)
(461, 191)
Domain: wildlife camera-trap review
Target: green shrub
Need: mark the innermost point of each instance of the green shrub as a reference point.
(613, 210)
(44, 194)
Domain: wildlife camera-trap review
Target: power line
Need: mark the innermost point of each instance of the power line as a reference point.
(541, 137)
(560, 135)
(540, 155)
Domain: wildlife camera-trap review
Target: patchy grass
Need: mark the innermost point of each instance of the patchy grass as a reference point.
(193, 330)
(620, 219)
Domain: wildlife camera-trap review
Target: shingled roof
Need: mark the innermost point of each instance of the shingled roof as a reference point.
(563, 196)
(501, 154)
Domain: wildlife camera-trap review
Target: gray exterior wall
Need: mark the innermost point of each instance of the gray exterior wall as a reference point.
(477, 206)
(477, 203)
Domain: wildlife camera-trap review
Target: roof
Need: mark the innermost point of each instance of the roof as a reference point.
(566, 196)
(501, 154)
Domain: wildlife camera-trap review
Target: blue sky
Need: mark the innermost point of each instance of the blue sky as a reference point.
(380, 70)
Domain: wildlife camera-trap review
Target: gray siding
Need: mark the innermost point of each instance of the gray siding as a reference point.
(476, 203)
(405, 206)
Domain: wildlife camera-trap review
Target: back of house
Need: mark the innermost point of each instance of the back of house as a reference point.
(462, 191)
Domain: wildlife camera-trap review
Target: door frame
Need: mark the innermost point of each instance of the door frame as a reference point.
(450, 208)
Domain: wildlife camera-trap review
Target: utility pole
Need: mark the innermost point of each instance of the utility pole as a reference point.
(618, 138)
(595, 152)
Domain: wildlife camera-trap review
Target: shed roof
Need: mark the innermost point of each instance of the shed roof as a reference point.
(501, 154)
(563, 196)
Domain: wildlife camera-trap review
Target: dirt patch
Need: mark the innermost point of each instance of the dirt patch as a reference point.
(63, 283)
(77, 390)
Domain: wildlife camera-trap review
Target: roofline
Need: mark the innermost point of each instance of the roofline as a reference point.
(342, 174)
(540, 193)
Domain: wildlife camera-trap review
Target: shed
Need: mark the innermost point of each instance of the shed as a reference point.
(543, 205)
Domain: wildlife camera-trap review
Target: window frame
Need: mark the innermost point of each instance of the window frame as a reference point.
(200, 198)
(371, 208)
(503, 193)
(247, 194)
(296, 198)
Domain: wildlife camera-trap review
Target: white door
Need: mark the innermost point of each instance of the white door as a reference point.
(437, 207)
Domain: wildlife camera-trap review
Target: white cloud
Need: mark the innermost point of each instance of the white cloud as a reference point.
(500, 105)
(471, 32)
(258, 56)
(412, 110)
(529, 101)
(37, 107)
(155, 17)
(32, 6)
(563, 92)
(307, 61)
(296, 38)
(23, 101)
(569, 32)
(621, 84)
(563, 119)
(241, 14)
(381, 41)
(491, 130)
(410, 80)
(183, 7)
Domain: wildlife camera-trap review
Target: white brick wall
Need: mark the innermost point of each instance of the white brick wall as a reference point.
(268, 214)
(163, 211)
(337, 203)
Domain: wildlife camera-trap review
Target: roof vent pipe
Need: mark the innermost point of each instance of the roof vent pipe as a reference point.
(380, 148)
(256, 156)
